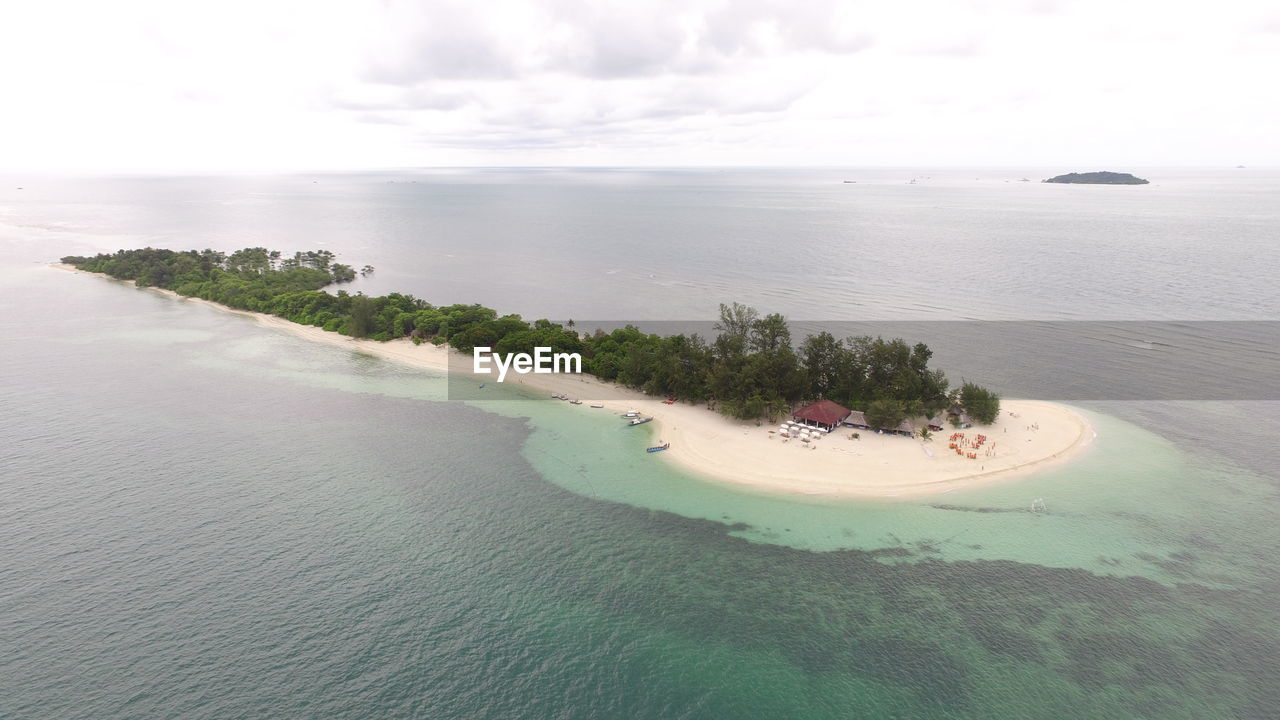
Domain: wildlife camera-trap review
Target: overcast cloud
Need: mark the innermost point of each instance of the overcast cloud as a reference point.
(139, 85)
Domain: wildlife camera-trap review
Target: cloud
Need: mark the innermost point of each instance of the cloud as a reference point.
(547, 113)
(441, 41)
(761, 26)
(954, 47)
(353, 83)
(500, 39)
(421, 97)
(565, 69)
(382, 118)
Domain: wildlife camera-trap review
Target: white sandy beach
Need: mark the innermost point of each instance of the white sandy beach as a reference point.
(1027, 437)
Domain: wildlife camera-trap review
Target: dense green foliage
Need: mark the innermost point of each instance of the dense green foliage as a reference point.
(1098, 178)
(751, 369)
(250, 279)
(885, 413)
(982, 404)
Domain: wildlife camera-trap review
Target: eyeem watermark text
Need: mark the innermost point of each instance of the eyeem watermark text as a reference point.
(541, 362)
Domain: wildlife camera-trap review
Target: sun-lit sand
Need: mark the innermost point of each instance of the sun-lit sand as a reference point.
(1028, 436)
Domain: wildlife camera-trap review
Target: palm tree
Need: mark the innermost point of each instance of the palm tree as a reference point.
(776, 407)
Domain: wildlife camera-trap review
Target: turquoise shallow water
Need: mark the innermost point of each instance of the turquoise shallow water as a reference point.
(201, 518)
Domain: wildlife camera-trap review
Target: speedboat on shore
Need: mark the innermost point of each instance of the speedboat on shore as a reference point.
(658, 448)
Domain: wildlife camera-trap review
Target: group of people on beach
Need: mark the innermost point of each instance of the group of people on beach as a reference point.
(968, 448)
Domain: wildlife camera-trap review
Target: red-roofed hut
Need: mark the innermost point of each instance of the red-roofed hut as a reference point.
(824, 413)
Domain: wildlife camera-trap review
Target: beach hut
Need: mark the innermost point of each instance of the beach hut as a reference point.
(857, 419)
(904, 428)
(937, 423)
(824, 414)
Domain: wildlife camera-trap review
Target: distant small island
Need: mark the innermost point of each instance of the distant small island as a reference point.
(1098, 178)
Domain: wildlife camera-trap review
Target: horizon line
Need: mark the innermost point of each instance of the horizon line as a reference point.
(429, 168)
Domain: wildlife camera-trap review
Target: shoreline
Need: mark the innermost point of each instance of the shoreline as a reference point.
(1029, 435)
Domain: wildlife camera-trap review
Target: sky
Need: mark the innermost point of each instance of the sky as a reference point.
(141, 85)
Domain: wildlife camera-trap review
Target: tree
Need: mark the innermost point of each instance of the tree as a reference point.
(982, 404)
(824, 361)
(769, 334)
(886, 413)
(736, 320)
(363, 310)
(775, 407)
(750, 369)
(342, 273)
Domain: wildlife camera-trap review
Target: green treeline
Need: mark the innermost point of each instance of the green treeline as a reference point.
(251, 279)
(751, 369)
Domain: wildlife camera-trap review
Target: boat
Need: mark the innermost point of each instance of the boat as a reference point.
(597, 405)
(631, 414)
(575, 401)
(658, 448)
(640, 421)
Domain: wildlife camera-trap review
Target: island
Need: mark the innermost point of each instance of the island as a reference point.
(1098, 178)
(843, 417)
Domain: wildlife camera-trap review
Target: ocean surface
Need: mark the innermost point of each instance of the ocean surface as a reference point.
(204, 518)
